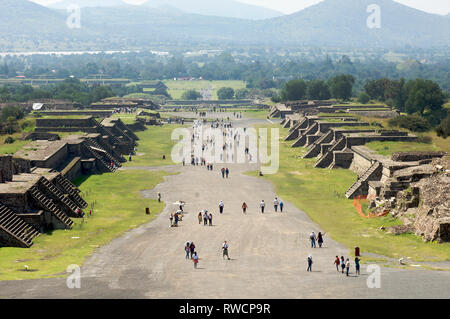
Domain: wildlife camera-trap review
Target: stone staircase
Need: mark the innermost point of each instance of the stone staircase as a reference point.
(106, 131)
(52, 189)
(314, 149)
(69, 188)
(112, 158)
(126, 134)
(362, 184)
(106, 166)
(326, 159)
(20, 232)
(104, 145)
(48, 205)
(301, 141)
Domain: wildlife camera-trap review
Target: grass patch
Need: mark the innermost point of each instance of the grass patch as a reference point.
(320, 193)
(153, 144)
(117, 209)
(387, 148)
(254, 114)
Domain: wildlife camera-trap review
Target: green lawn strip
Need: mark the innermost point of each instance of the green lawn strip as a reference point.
(387, 148)
(125, 118)
(255, 114)
(320, 193)
(153, 144)
(119, 206)
(14, 147)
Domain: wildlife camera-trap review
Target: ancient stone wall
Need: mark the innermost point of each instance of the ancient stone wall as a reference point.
(73, 169)
(415, 156)
(6, 168)
(64, 122)
(40, 136)
(21, 165)
(342, 159)
(55, 160)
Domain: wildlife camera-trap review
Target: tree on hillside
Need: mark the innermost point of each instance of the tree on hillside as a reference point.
(443, 130)
(318, 90)
(191, 95)
(242, 93)
(294, 90)
(225, 93)
(425, 98)
(413, 123)
(396, 95)
(12, 113)
(101, 92)
(341, 86)
(363, 98)
(376, 89)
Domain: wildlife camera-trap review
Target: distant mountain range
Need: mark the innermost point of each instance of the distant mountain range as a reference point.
(331, 23)
(221, 8)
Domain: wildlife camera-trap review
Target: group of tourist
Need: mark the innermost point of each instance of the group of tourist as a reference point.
(319, 239)
(344, 264)
(191, 253)
(207, 218)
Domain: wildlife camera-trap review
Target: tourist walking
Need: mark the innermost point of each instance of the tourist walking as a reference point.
(225, 250)
(244, 208)
(195, 259)
(347, 266)
(210, 219)
(223, 171)
(205, 218)
(312, 238)
(159, 197)
(337, 263)
(187, 249)
(310, 262)
(200, 217)
(342, 264)
(227, 171)
(176, 220)
(171, 220)
(192, 246)
(357, 265)
(320, 239)
(281, 206)
(221, 207)
(262, 205)
(275, 204)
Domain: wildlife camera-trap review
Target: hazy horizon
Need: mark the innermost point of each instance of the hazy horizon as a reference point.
(290, 6)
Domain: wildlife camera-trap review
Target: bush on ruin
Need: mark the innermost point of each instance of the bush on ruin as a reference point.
(413, 123)
(9, 140)
(443, 130)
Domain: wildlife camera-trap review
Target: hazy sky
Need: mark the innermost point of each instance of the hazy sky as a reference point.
(290, 6)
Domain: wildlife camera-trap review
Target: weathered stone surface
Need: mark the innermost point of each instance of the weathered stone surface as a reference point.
(415, 156)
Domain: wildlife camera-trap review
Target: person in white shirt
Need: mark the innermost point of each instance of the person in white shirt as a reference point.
(221, 207)
(262, 206)
(275, 204)
(225, 250)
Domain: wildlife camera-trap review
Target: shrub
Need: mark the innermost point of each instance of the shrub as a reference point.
(9, 140)
(443, 130)
(364, 98)
(413, 123)
(424, 139)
